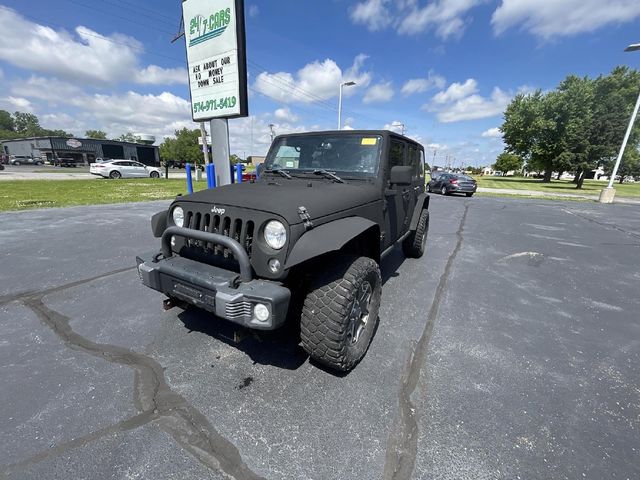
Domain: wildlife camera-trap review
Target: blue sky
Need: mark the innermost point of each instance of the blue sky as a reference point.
(444, 68)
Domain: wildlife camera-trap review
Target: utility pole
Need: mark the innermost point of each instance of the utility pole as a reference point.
(205, 146)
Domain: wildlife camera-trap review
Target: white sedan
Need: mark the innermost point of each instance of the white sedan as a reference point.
(124, 169)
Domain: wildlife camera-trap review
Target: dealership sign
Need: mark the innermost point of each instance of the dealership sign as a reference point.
(215, 42)
(73, 143)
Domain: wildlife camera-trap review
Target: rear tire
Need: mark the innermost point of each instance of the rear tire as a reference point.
(115, 174)
(340, 313)
(469, 194)
(413, 246)
(154, 175)
(443, 190)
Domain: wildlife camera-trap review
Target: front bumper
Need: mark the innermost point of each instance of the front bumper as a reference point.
(223, 292)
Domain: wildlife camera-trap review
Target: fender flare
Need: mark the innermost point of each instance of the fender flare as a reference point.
(421, 204)
(329, 237)
(159, 223)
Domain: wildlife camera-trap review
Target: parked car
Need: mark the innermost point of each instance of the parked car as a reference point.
(447, 183)
(24, 160)
(124, 169)
(67, 162)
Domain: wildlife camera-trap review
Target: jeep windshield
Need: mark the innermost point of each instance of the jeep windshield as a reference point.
(347, 155)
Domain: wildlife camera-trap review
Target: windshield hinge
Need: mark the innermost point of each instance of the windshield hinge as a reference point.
(305, 217)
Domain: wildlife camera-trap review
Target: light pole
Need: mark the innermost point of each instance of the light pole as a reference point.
(607, 194)
(343, 84)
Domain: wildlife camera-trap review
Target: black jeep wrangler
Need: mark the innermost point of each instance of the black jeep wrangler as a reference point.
(311, 231)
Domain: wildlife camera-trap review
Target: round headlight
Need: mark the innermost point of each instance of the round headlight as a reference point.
(275, 234)
(178, 216)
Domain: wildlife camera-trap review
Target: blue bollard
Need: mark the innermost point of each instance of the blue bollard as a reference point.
(238, 173)
(208, 171)
(189, 179)
(212, 168)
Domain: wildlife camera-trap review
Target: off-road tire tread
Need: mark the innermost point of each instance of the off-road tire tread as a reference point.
(412, 245)
(324, 319)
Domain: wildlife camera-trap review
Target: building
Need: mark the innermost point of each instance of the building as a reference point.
(255, 160)
(83, 150)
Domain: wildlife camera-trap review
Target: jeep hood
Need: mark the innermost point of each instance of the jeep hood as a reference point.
(285, 196)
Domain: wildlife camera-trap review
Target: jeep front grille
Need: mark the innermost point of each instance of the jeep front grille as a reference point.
(236, 228)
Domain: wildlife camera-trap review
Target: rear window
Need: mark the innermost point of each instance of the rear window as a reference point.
(465, 178)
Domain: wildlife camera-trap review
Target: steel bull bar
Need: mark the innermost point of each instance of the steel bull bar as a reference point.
(239, 298)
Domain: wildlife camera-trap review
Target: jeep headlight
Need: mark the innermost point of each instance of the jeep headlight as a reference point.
(178, 216)
(275, 234)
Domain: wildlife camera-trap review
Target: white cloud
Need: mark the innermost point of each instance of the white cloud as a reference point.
(470, 106)
(374, 14)
(381, 92)
(419, 85)
(51, 90)
(86, 57)
(285, 115)
(154, 75)
(316, 81)
(446, 17)
(456, 91)
(492, 133)
(253, 10)
(554, 18)
(12, 103)
(395, 126)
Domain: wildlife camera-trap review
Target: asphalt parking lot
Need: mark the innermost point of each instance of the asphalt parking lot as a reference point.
(510, 350)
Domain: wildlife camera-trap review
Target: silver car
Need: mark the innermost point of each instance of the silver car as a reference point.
(124, 169)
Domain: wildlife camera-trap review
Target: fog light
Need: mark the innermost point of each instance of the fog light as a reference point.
(274, 265)
(261, 312)
(173, 240)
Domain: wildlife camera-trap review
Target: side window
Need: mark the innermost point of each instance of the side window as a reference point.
(396, 154)
(414, 159)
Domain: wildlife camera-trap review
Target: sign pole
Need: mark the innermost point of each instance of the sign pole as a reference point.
(220, 150)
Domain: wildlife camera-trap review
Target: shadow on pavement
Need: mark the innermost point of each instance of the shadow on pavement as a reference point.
(280, 348)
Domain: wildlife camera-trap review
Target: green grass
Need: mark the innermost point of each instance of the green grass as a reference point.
(27, 194)
(590, 187)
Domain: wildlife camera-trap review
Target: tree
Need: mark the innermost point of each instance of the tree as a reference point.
(529, 130)
(507, 162)
(629, 165)
(6, 121)
(26, 124)
(183, 147)
(127, 137)
(98, 134)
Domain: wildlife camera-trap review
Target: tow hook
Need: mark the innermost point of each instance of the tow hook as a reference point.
(168, 304)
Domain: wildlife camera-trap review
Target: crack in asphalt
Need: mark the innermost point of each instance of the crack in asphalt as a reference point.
(152, 396)
(4, 299)
(402, 446)
(602, 224)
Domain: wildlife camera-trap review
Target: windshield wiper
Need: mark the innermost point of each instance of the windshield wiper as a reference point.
(284, 173)
(327, 174)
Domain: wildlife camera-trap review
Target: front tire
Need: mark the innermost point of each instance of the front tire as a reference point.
(340, 313)
(413, 246)
(115, 174)
(154, 174)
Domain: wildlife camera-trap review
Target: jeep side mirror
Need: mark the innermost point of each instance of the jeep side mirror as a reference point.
(401, 175)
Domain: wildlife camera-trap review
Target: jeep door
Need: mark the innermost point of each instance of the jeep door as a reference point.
(397, 197)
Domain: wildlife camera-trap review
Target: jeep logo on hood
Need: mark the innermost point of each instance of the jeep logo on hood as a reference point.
(218, 211)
